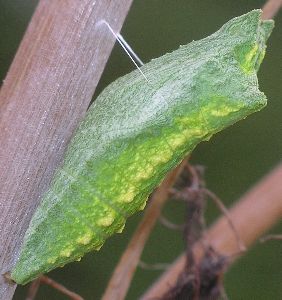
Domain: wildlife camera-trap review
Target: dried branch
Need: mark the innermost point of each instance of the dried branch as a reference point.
(225, 212)
(270, 9)
(254, 214)
(33, 289)
(45, 94)
(271, 237)
(47, 280)
(124, 271)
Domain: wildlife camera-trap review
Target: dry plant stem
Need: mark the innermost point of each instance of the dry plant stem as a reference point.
(33, 289)
(254, 214)
(165, 222)
(271, 237)
(271, 8)
(45, 94)
(59, 287)
(225, 212)
(120, 281)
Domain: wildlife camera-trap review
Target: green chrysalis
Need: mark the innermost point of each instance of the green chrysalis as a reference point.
(135, 132)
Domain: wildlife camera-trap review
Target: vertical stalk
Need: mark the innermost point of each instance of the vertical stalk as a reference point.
(45, 94)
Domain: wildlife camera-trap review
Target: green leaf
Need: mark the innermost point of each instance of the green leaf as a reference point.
(135, 132)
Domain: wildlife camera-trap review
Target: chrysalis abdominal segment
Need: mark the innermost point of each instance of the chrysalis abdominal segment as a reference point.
(134, 133)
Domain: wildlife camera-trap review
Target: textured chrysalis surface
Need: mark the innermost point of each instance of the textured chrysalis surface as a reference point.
(135, 132)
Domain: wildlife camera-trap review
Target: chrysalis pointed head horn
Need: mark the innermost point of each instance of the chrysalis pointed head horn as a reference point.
(249, 34)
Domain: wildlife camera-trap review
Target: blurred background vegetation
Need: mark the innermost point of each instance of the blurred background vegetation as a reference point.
(234, 159)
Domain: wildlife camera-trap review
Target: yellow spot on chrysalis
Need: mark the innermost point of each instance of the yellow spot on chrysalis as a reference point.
(189, 129)
(97, 248)
(150, 169)
(141, 172)
(51, 260)
(127, 196)
(120, 230)
(177, 141)
(251, 53)
(106, 221)
(85, 239)
(141, 175)
(161, 157)
(223, 111)
(249, 61)
(66, 252)
(142, 206)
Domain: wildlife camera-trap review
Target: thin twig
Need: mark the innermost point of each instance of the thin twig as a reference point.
(225, 212)
(124, 271)
(223, 294)
(270, 9)
(165, 222)
(271, 237)
(153, 267)
(60, 287)
(33, 289)
(253, 215)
